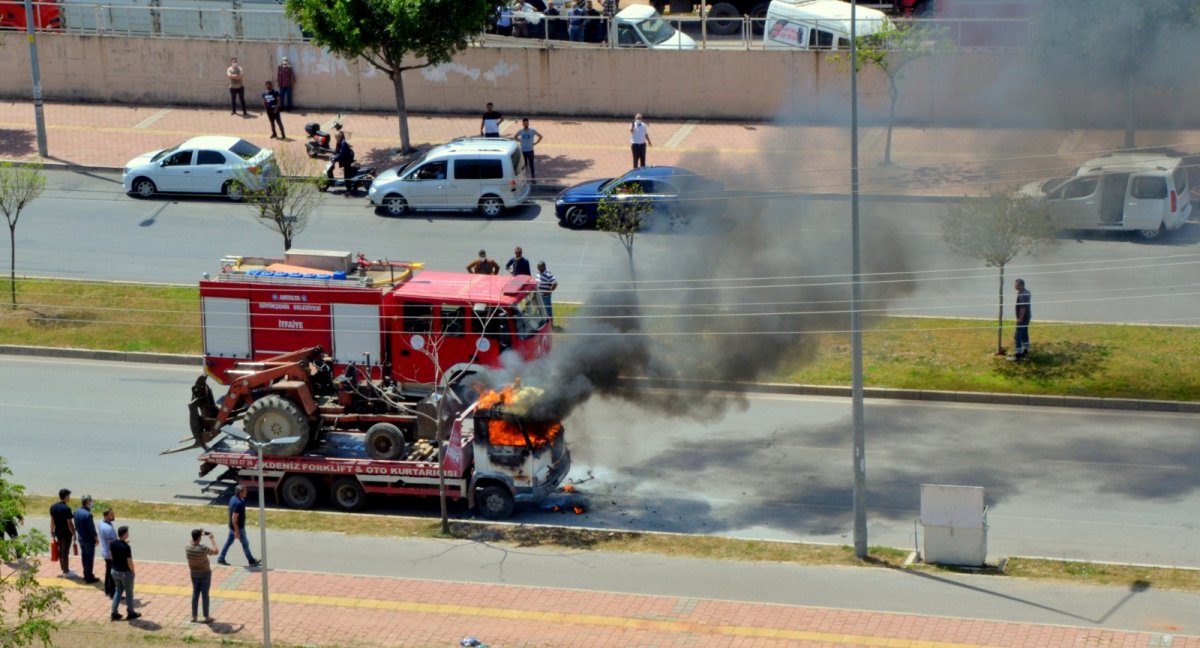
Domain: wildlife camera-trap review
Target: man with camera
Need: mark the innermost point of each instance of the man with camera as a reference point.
(197, 557)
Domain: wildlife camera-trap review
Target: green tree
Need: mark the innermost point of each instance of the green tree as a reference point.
(1115, 46)
(19, 186)
(892, 50)
(283, 198)
(35, 604)
(995, 229)
(394, 35)
(623, 214)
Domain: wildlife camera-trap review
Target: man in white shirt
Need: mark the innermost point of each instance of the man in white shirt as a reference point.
(639, 139)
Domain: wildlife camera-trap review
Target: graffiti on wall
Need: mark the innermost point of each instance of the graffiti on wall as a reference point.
(441, 73)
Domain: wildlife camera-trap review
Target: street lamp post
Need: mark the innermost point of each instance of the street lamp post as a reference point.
(262, 518)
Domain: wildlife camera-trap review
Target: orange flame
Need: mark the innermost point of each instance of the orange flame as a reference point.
(568, 488)
(579, 510)
(505, 433)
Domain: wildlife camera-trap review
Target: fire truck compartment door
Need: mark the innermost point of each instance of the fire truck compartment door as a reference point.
(356, 333)
(226, 327)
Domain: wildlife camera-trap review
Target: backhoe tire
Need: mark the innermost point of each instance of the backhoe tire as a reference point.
(494, 503)
(275, 417)
(385, 441)
(298, 492)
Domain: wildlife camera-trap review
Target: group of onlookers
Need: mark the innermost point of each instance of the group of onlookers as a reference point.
(577, 21)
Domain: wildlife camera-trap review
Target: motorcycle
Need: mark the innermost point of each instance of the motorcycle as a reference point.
(319, 141)
(359, 177)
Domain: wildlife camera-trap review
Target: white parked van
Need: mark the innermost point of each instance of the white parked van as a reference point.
(817, 24)
(483, 173)
(1139, 192)
(641, 26)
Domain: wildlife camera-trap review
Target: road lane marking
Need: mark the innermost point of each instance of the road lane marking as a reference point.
(677, 138)
(147, 122)
(542, 616)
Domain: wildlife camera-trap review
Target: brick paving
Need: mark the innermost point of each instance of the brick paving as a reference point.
(329, 609)
(935, 161)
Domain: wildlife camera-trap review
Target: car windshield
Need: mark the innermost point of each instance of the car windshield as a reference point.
(244, 149)
(609, 184)
(1054, 184)
(529, 315)
(656, 30)
(412, 164)
(163, 153)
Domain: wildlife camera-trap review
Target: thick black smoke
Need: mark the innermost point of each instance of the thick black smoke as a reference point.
(731, 300)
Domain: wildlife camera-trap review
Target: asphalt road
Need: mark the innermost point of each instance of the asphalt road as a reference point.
(85, 227)
(1080, 484)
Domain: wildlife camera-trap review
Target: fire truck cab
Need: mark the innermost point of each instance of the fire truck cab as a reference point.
(391, 319)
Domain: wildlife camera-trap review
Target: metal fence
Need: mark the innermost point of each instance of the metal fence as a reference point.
(265, 20)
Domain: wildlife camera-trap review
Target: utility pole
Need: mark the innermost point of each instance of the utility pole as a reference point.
(856, 389)
(39, 117)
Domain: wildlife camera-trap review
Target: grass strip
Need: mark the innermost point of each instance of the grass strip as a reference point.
(1098, 360)
(676, 545)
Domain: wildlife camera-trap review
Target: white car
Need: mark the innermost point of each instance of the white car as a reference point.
(471, 173)
(212, 164)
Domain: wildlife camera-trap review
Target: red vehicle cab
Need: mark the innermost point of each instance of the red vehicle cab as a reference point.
(46, 15)
(393, 319)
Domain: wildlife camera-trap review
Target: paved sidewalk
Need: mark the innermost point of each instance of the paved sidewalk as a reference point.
(809, 159)
(388, 591)
(314, 608)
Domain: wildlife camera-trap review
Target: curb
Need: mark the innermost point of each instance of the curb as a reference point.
(874, 393)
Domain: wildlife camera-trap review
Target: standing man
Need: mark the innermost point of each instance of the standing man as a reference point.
(270, 99)
(237, 527)
(483, 265)
(123, 572)
(518, 265)
(285, 78)
(547, 282)
(1024, 315)
(62, 529)
(528, 138)
(575, 22)
(639, 139)
(85, 533)
(236, 89)
(108, 535)
(489, 126)
(197, 557)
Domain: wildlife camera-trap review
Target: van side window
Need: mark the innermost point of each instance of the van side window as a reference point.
(1149, 187)
(418, 318)
(822, 39)
(491, 170)
(1179, 176)
(466, 169)
(1081, 187)
(843, 43)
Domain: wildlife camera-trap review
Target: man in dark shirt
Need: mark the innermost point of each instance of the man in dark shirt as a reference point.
(237, 527)
(62, 529)
(1024, 316)
(271, 105)
(85, 533)
(123, 571)
(518, 265)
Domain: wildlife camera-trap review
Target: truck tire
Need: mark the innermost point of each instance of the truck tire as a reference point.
(758, 17)
(348, 495)
(724, 18)
(385, 441)
(275, 417)
(298, 492)
(494, 503)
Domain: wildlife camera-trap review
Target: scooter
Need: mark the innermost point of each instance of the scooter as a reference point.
(359, 178)
(319, 141)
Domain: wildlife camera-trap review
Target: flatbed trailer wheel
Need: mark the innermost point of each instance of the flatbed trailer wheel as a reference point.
(298, 492)
(348, 495)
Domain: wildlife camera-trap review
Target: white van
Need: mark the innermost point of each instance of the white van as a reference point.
(817, 24)
(483, 173)
(641, 26)
(1139, 192)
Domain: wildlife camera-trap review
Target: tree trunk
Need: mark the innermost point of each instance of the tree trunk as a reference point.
(893, 94)
(401, 110)
(12, 268)
(1000, 317)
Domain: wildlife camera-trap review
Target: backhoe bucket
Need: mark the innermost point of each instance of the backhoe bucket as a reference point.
(202, 411)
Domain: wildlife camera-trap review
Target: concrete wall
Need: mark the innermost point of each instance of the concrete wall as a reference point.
(968, 88)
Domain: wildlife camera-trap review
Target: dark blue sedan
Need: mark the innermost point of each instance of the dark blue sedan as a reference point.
(677, 195)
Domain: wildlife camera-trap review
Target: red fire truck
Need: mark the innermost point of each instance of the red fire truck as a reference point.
(391, 319)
